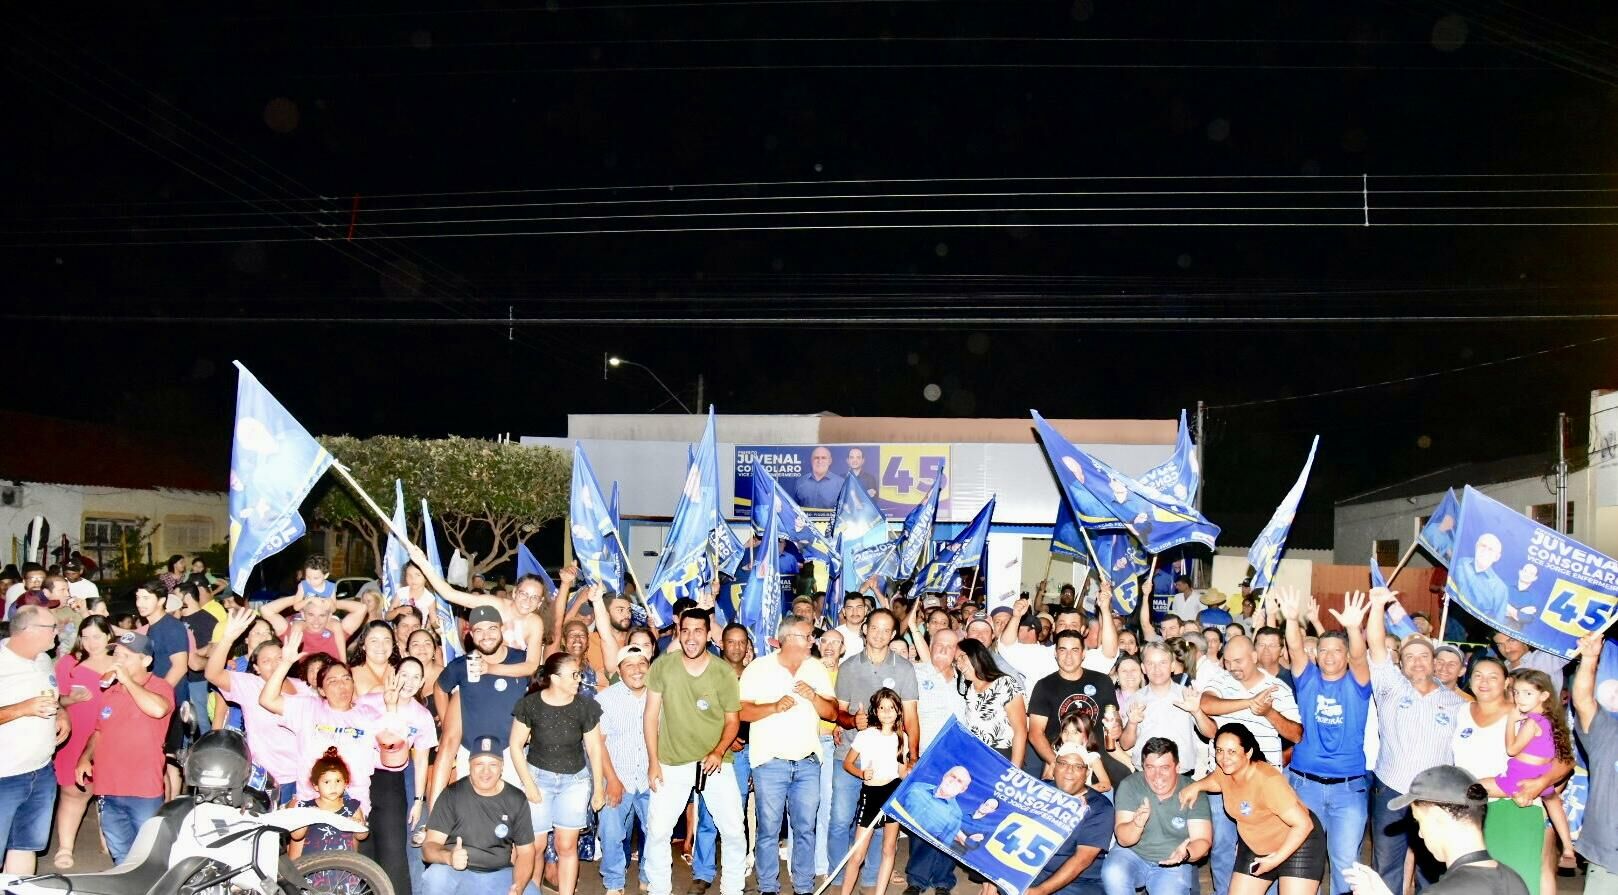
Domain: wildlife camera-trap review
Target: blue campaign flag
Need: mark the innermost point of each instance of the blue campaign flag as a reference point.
(1066, 539)
(1179, 477)
(441, 609)
(1265, 554)
(1555, 591)
(528, 564)
(759, 608)
(881, 560)
(395, 556)
(683, 568)
(1102, 497)
(1437, 537)
(1397, 620)
(795, 524)
(595, 542)
(964, 551)
(968, 801)
(1120, 556)
(858, 523)
(917, 533)
(612, 510)
(274, 461)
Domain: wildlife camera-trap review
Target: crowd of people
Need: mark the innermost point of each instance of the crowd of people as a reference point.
(1264, 746)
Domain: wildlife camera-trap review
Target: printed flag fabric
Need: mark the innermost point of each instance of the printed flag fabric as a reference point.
(1397, 620)
(1437, 537)
(1527, 580)
(449, 629)
(759, 608)
(683, 568)
(966, 800)
(528, 564)
(1180, 477)
(1265, 554)
(395, 556)
(274, 461)
(917, 534)
(595, 541)
(1102, 497)
(964, 551)
(795, 524)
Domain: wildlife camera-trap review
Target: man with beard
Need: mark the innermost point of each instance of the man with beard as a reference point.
(480, 703)
(1072, 688)
(734, 643)
(522, 627)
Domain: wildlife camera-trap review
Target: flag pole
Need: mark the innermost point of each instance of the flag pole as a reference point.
(630, 568)
(880, 817)
(387, 521)
(1085, 533)
(1409, 551)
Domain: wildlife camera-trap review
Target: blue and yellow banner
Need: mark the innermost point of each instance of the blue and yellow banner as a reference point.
(1529, 581)
(898, 477)
(1180, 477)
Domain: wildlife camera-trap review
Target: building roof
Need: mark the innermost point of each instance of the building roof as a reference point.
(70, 452)
(1476, 474)
(830, 428)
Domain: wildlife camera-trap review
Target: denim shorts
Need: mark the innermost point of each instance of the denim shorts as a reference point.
(27, 802)
(564, 800)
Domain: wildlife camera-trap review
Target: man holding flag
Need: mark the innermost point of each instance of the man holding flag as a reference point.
(1265, 554)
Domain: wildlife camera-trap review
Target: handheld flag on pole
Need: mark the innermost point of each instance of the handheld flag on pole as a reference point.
(917, 534)
(1437, 537)
(795, 524)
(1396, 618)
(1120, 557)
(612, 510)
(447, 626)
(1555, 591)
(528, 564)
(1265, 554)
(595, 542)
(857, 524)
(1066, 539)
(274, 461)
(684, 567)
(395, 557)
(760, 604)
(1179, 477)
(1102, 498)
(964, 551)
(429, 539)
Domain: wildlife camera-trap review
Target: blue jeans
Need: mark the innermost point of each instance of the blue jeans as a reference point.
(1391, 833)
(782, 787)
(705, 851)
(613, 824)
(1342, 809)
(121, 818)
(1222, 859)
(929, 868)
(26, 803)
(822, 807)
(196, 692)
(845, 800)
(442, 879)
(1123, 872)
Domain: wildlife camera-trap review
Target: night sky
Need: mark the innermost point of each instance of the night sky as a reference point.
(183, 181)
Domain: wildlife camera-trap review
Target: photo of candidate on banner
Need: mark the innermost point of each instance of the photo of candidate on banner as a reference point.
(1438, 535)
(966, 800)
(898, 477)
(1529, 581)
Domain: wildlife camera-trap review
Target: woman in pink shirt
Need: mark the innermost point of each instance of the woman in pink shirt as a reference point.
(272, 746)
(332, 717)
(79, 675)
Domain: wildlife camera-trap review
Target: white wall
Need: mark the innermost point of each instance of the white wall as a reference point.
(1355, 526)
(66, 506)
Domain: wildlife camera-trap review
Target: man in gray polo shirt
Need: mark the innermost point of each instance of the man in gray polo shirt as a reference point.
(874, 668)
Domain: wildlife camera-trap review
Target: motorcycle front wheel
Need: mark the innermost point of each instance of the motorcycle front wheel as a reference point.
(337, 873)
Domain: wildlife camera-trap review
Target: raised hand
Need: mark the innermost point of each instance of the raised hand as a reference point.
(1590, 647)
(569, 574)
(237, 623)
(1292, 603)
(1137, 712)
(1142, 814)
(1353, 612)
(1381, 597)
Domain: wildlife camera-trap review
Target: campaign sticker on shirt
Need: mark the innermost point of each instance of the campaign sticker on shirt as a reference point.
(1406, 702)
(500, 684)
(325, 633)
(1442, 718)
(1466, 733)
(1246, 808)
(106, 712)
(53, 681)
(501, 830)
(702, 705)
(887, 682)
(1177, 822)
(1089, 689)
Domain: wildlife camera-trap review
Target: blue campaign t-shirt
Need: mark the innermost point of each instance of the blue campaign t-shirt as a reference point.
(1334, 717)
(168, 635)
(1095, 831)
(487, 704)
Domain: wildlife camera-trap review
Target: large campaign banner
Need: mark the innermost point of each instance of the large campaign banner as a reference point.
(967, 800)
(1528, 581)
(896, 476)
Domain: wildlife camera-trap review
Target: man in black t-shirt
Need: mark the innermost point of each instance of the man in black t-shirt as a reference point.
(480, 840)
(1448, 804)
(1072, 688)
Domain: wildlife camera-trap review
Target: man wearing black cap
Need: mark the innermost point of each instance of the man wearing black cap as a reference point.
(480, 840)
(1448, 805)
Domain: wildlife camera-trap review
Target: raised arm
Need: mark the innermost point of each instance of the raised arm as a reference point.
(1376, 632)
(236, 624)
(918, 637)
(439, 585)
(1352, 614)
(1146, 630)
(1292, 608)
(1018, 609)
(271, 699)
(1583, 693)
(1109, 631)
(272, 612)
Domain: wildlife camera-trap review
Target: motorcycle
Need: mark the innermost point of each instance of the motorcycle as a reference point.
(220, 840)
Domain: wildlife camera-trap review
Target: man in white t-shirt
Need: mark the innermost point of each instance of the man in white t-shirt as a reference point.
(784, 697)
(32, 725)
(1020, 647)
(79, 586)
(855, 608)
(1185, 604)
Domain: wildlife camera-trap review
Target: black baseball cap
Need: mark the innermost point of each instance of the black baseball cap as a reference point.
(1444, 784)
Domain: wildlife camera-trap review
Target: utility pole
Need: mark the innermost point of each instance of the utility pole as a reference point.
(1561, 473)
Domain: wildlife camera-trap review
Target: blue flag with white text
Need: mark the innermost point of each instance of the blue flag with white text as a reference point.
(395, 556)
(683, 568)
(1179, 477)
(1437, 537)
(1396, 619)
(964, 551)
(1102, 497)
(612, 510)
(595, 542)
(1121, 558)
(795, 524)
(760, 606)
(1527, 580)
(857, 524)
(274, 461)
(1265, 554)
(917, 534)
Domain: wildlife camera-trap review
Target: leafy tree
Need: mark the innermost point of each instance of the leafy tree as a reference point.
(479, 491)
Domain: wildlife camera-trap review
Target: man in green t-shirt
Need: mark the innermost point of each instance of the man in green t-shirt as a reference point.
(693, 702)
(1158, 840)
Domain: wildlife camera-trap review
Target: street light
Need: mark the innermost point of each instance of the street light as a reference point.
(609, 361)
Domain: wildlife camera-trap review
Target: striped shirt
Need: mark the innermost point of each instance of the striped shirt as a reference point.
(622, 718)
(1415, 730)
(1224, 686)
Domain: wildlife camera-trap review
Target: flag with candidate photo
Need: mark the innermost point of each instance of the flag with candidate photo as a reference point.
(1437, 537)
(1179, 477)
(964, 551)
(1265, 554)
(795, 524)
(917, 533)
(274, 461)
(595, 542)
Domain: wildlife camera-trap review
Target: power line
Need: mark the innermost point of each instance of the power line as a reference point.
(870, 321)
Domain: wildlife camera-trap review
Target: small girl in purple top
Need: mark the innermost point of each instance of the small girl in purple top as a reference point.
(1536, 736)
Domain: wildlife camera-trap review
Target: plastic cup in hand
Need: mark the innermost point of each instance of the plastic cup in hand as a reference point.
(474, 668)
(109, 679)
